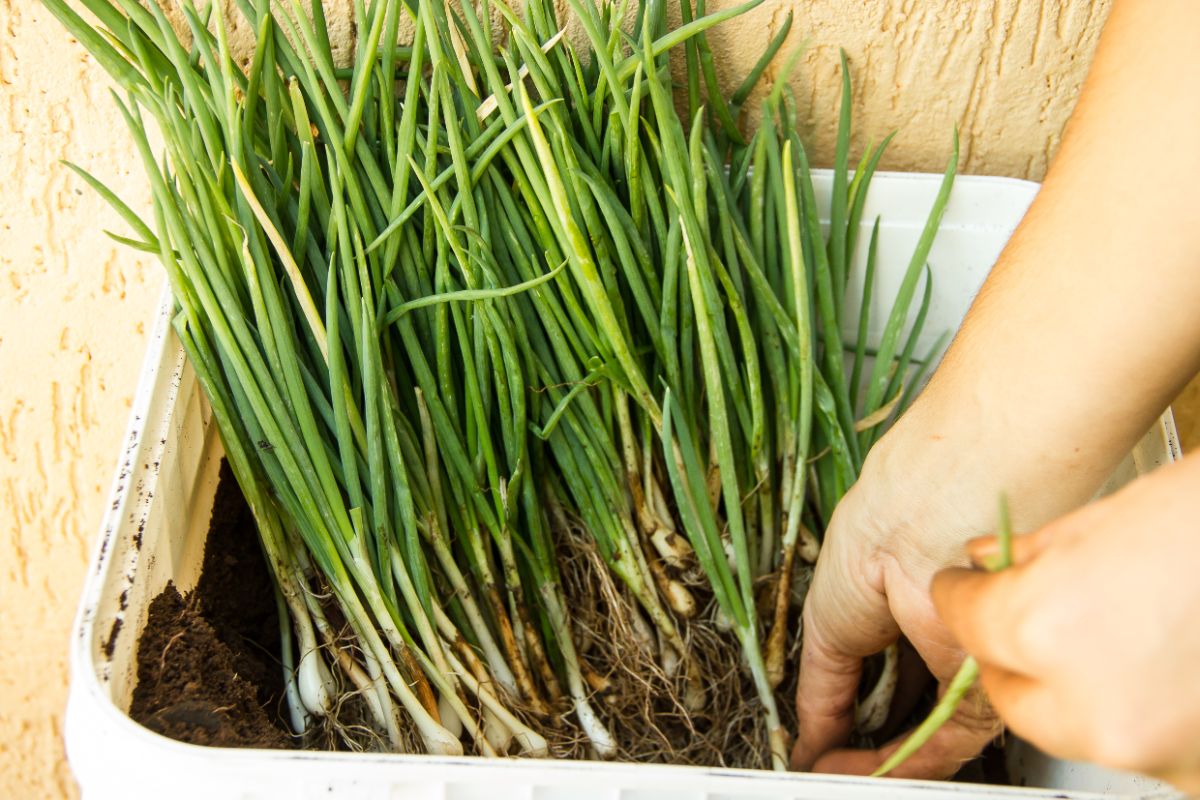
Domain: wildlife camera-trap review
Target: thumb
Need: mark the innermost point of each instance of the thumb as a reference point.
(985, 551)
(982, 611)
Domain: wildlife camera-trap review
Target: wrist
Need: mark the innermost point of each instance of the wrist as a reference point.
(939, 454)
(924, 495)
(967, 437)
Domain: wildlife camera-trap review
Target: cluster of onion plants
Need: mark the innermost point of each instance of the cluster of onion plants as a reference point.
(466, 293)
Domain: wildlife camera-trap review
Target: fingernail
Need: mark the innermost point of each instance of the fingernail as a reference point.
(981, 549)
(992, 562)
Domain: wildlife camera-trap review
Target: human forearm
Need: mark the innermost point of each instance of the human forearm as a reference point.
(1088, 325)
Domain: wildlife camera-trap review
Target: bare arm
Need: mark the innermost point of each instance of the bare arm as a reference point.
(1090, 322)
(1087, 327)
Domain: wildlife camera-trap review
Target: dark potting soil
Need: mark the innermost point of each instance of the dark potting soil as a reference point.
(208, 663)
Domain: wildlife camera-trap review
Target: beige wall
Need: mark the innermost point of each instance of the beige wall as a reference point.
(74, 307)
(1005, 71)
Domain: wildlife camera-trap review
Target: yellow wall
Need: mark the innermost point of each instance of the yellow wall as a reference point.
(74, 307)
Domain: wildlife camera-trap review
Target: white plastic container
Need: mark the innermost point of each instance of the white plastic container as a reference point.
(155, 526)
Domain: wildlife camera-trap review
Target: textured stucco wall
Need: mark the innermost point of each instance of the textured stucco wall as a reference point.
(73, 312)
(74, 307)
(1007, 72)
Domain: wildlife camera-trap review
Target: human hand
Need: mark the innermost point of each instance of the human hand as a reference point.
(1034, 385)
(1089, 645)
(886, 539)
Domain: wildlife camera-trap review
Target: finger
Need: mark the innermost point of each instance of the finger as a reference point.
(962, 738)
(982, 610)
(845, 619)
(985, 551)
(1031, 709)
(825, 695)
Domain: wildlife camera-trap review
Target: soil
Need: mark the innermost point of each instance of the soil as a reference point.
(209, 671)
(990, 767)
(208, 668)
